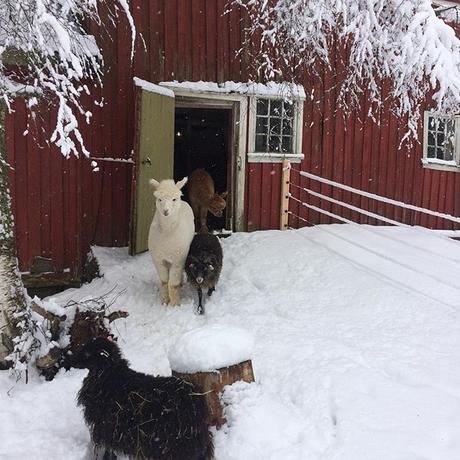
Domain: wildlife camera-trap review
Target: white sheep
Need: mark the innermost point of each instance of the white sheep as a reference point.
(170, 235)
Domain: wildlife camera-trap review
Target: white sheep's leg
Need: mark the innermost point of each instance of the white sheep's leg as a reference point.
(164, 293)
(163, 274)
(174, 295)
(175, 281)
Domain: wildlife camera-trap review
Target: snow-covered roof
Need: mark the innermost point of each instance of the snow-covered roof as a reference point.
(152, 88)
(249, 88)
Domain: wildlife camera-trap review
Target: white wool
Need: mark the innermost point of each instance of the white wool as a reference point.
(170, 236)
(167, 188)
(209, 348)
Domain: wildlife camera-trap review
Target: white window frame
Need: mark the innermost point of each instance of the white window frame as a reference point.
(434, 163)
(275, 157)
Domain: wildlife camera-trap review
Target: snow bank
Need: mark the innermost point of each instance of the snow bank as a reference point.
(357, 332)
(209, 348)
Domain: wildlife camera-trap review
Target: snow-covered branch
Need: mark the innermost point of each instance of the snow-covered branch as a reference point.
(47, 41)
(401, 41)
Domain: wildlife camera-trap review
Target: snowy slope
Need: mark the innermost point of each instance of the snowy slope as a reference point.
(356, 356)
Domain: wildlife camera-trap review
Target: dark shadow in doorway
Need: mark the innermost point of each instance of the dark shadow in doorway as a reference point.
(201, 140)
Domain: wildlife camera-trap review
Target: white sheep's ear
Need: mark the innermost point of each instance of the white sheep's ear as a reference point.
(154, 183)
(181, 183)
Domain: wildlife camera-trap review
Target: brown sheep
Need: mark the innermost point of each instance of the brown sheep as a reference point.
(203, 198)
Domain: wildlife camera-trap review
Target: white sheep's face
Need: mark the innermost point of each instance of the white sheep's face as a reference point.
(167, 205)
(168, 196)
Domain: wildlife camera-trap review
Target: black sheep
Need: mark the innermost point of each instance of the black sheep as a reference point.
(145, 417)
(204, 264)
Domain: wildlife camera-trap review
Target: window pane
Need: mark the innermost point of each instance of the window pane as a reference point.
(440, 153)
(288, 109)
(274, 144)
(430, 152)
(440, 139)
(261, 125)
(261, 143)
(431, 140)
(275, 108)
(448, 155)
(450, 131)
(275, 126)
(449, 146)
(287, 144)
(262, 106)
(287, 126)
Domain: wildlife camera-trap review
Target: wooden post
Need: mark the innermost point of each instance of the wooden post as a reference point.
(285, 179)
(213, 383)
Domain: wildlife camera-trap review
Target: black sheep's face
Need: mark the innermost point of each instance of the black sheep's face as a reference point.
(201, 270)
(98, 353)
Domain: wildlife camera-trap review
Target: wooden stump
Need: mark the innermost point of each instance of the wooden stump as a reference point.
(213, 383)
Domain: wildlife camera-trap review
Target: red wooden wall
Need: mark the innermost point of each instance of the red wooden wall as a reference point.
(62, 206)
(367, 155)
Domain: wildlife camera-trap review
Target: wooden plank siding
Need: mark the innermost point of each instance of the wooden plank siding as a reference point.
(62, 206)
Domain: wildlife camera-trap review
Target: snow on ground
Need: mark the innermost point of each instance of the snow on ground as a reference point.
(356, 354)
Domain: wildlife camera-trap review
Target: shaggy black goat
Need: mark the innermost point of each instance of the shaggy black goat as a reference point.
(204, 264)
(144, 417)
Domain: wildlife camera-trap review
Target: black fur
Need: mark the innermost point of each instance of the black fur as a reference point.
(145, 417)
(204, 262)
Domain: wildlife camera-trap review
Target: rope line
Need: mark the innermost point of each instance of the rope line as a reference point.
(397, 262)
(373, 196)
(323, 211)
(369, 229)
(353, 208)
(419, 230)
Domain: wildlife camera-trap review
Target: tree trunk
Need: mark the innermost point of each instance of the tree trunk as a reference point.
(212, 384)
(12, 293)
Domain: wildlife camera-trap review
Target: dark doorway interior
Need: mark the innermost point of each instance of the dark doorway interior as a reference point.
(201, 140)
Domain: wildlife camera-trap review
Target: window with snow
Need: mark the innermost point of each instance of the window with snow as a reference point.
(442, 141)
(275, 129)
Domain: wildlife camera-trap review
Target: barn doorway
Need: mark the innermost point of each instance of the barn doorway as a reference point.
(202, 140)
(218, 143)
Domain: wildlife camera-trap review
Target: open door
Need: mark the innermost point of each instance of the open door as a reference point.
(153, 155)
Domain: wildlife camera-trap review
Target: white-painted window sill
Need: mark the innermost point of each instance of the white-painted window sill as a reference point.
(441, 166)
(274, 157)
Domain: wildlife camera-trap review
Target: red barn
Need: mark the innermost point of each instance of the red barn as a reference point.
(152, 126)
